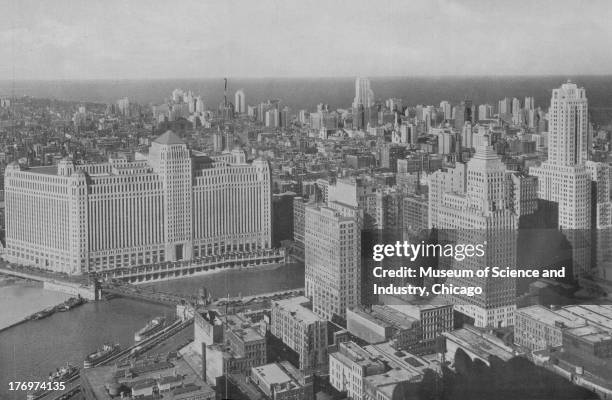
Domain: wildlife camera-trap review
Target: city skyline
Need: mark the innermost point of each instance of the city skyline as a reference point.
(72, 40)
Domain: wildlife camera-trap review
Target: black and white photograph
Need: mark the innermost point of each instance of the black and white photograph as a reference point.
(305, 200)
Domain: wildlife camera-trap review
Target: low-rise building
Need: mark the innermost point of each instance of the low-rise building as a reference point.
(281, 381)
(294, 322)
(349, 366)
(477, 345)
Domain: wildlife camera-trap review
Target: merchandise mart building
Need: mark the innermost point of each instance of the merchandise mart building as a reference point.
(168, 213)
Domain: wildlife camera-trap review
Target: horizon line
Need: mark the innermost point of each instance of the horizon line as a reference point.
(309, 77)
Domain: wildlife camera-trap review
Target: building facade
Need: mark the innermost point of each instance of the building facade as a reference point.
(333, 261)
(472, 204)
(170, 205)
(563, 178)
(302, 330)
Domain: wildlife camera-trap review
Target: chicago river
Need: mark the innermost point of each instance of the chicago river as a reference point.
(30, 351)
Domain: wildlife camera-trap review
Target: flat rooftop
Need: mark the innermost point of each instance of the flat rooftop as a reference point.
(480, 343)
(550, 317)
(590, 333)
(46, 170)
(401, 359)
(99, 377)
(386, 317)
(597, 314)
(273, 374)
(295, 305)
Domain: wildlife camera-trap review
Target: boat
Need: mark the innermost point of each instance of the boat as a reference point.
(152, 327)
(42, 314)
(64, 373)
(71, 303)
(101, 355)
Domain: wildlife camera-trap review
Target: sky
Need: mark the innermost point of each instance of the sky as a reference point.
(153, 39)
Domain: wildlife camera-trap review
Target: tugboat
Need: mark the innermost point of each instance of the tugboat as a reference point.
(101, 355)
(153, 326)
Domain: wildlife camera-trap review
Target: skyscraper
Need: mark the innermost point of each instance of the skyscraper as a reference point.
(333, 261)
(446, 108)
(240, 102)
(563, 178)
(363, 93)
(471, 204)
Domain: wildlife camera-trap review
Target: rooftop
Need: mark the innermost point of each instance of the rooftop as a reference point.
(550, 317)
(296, 306)
(596, 314)
(272, 374)
(386, 316)
(169, 138)
(480, 343)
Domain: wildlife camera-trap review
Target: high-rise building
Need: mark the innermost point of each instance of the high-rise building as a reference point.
(240, 102)
(272, 118)
(529, 103)
(601, 183)
(169, 205)
(504, 107)
(563, 178)
(470, 204)
(124, 106)
(485, 111)
(333, 261)
(446, 108)
(364, 96)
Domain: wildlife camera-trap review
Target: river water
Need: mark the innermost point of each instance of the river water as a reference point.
(22, 299)
(30, 351)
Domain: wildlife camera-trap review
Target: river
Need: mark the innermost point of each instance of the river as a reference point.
(30, 351)
(23, 298)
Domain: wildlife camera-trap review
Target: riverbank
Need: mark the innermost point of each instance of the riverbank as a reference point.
(236, 282)
(33, 349)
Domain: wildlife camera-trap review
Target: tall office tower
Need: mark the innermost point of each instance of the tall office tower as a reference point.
(113, 218)
(199, 105)
(272, 118)
(170, 159)
(124, 106)
(285, 117)
(333, 261)
(602, 217)
(504, 106)
(363, 94)
(485, 111)
(447, 109)
(471, 204)
(516, 105)
(240, 101)
(563, 178)
(467, 136)
(464, 113)
(517, 112)
(446, 143)
(529, 103)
